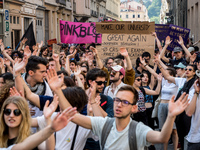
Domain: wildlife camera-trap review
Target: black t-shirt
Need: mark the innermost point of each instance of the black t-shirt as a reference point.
(177, 61)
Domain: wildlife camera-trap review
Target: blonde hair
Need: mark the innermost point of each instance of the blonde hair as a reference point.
(25, 125)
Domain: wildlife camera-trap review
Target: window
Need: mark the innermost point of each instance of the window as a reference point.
(126, 16)
(10, 19)
(40, 22)
(120, 16)
(14, 19)
(17, 20)
(133, 16)
(138, 16)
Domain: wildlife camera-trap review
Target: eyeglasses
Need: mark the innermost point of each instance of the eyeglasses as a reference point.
(123, 102)
(139, 80)
(16, 112)
(84, 71)
(188, 69)
(113, 72)
(101, 82)
(15, 55)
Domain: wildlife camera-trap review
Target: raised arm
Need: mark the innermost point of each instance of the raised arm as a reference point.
(55, 83)
(5, 54)
(99, 62)
(162, 54)
(192, 106)
(157, 91)
(174, 109)
(157, 41)
(77, 73)
(181, 42)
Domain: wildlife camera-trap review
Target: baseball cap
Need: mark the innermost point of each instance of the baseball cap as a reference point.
(191, 49)
(119, 68)
(180, 65)
(177, 49)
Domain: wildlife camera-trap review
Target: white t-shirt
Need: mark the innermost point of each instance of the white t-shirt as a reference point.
(8, 148)
(119, 140)
(194, 133)
(168, 90)
(180, 83)
(65, 136)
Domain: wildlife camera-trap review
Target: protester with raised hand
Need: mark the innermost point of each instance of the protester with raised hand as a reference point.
(184, 85)
(67, 64)
(122, 117)
(59, 122)
(178, 52)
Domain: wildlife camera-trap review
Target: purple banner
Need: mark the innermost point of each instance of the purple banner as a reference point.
(162, 31)
(79, 32)
(174, 33)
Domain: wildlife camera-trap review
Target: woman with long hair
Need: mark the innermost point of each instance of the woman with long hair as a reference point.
(15, 121)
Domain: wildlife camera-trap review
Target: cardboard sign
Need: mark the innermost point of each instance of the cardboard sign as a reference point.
(174, 33)
(135, 44)
(79, 32)
(56, 49)
(162, 31)
(126, 28)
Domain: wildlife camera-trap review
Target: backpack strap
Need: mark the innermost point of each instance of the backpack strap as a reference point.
(132, 135)
(106, 130)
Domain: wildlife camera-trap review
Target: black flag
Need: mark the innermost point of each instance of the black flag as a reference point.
(29, 34)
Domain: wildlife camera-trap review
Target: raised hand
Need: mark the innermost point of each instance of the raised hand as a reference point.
(53, 80)
(55, 57)
(61, 120)
(19, 66)
(24, 41)
(154, 34)
(50, 109)
(14, 92)
(27, 51)
(95, 52)
(40, 45)
(176, 108)
(142, 60)
(197, 86)
(92, 92)
(180, 41)
(159, 77)
(123, 51)
(168, 41)
(73, 54)
(78, 71)
(193, 57)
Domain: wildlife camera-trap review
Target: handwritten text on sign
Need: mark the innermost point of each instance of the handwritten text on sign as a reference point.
(78, 32)
(136, 44)
(126, 28)
(174, 33)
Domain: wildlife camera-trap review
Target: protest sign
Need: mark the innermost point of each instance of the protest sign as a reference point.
(126, 28)
(135, 44)
(174, 33)
(50, 42)
(161, 31)
(56, 49)
(78, 32)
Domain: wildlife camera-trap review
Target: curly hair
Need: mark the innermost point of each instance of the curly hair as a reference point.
(25, 125)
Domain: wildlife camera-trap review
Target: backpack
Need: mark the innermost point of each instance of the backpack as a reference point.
(131, 133)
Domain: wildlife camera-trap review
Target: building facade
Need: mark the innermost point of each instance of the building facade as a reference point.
(193, 19)
(164, 11)
(133, 11)
(113, 10)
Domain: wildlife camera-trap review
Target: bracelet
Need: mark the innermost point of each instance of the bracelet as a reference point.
(92, 103)
(145, 65)
(196, 93)
(16, 76)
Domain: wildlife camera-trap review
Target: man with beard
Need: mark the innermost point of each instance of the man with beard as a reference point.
(106, 102)
(34, 78)
(116, 76)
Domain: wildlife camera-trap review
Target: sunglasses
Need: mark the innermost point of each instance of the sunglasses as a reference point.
(139, 80)
(188, 69)
(101, 82)
(84, 71)
(123, 102)
(113, 72)
(16, 112)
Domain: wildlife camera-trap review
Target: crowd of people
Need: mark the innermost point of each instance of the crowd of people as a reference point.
(69, 98)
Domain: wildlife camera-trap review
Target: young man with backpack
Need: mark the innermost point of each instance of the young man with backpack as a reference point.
(120, 136)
